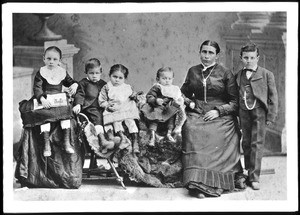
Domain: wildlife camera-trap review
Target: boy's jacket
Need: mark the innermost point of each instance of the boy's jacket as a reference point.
(264, 89)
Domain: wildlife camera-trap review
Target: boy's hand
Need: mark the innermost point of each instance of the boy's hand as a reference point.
(45, 103)
(77, 109)
(192, 105)
(268, 123)
(159, 101)
(73, 88)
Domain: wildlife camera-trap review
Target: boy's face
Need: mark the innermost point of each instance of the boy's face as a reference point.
(51, 59)
(166, 78)
(94, 74)
(250, 59)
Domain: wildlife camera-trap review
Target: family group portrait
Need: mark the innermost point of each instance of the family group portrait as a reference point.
(150, 107)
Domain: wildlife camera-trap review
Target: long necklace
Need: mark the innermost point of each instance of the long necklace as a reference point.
(204, 82)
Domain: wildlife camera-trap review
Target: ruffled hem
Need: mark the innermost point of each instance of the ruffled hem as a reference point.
(110, 117)
(211, 178)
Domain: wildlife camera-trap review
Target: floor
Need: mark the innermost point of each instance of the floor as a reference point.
(108, 191)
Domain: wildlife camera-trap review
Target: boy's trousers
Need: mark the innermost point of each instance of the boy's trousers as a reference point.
(253, 124)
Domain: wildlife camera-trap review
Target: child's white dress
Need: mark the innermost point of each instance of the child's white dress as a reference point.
(126, 108)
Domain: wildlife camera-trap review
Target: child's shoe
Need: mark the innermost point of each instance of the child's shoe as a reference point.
(115, 139)
(169, 137)
(67, 144)
(106, 144)
(125, 142)
(255, 185)
(47, 148)
(177, 130)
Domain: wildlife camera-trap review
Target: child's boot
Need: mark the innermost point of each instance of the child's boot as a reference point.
(47, 148)
(135, 143)
(124, 140)
(112, 137)
(152, 138)
(169, 136)
(106, 144)
(67, 144)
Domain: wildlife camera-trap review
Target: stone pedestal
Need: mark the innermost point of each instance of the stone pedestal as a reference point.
(22, 89)
(32, 56)
(272, 57)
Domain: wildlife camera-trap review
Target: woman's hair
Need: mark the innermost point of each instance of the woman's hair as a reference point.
(163, 69)
(54, 48)
(249, 47)
(211, 43)
(92, 63)
(119, 67)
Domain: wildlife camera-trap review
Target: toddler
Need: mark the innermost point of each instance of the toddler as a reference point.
(164, 103)
(116, 97)
(86, 101)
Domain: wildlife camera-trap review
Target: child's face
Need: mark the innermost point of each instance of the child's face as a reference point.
(94, 74)
(117, 78)
(250, 59)
(208, 55)
(166, 78)
(51, 59)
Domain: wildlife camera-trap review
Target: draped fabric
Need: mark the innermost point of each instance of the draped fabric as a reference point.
(60, 170)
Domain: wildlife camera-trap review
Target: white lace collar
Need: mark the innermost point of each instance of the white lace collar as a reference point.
(54, 76)
(171, 91)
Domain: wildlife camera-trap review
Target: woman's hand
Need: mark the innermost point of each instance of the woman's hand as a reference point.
(159, 101)
(73, 89)
(77, 109)
(45, 103)
(211, 115)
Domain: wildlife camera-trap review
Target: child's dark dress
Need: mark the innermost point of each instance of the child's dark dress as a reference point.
(45, 84)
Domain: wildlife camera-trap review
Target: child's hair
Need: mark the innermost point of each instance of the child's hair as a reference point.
(54, 48)
(163, 69)
(211, 43)
(92, 63)
(249, 47)
(119, 67)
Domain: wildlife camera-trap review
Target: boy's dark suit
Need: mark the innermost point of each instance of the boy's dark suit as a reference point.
(87, 96)
(261, 86)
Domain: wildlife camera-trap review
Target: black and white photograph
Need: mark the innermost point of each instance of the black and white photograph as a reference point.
(150, 107)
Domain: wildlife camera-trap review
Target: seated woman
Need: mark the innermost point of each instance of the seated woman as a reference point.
(49, 152)
(210, 136)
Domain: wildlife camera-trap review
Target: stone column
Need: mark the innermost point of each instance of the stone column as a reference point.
(22, 89)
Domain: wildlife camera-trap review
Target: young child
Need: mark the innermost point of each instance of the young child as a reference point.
(164, 102)
(86, 101)
(49, 80)
(257, 108)
(117, 99)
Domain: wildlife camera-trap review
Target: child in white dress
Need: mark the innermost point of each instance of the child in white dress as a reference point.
(116, 97)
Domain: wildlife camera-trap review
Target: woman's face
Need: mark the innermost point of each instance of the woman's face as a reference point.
(208, 55)
(117, 78)
(51, 59)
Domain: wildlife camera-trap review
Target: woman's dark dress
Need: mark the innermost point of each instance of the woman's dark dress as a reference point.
(211, 150)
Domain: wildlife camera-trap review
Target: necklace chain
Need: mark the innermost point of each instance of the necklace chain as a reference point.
(204, 81)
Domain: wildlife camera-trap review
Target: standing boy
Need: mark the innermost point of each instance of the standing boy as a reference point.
(258, 104)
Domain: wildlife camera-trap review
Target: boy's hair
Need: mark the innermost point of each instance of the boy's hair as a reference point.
(92, 63)
(54, 48)
(163, 69)
(211, 43)
(119, 67)
(249, 47)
